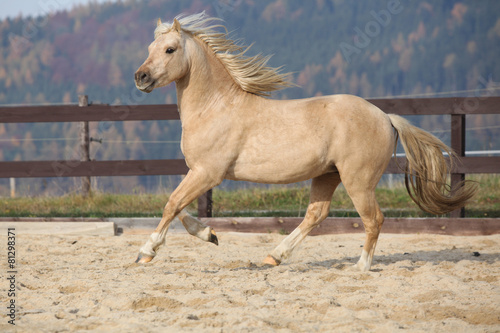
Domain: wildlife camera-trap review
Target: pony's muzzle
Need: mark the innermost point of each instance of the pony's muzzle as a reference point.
(144, 81)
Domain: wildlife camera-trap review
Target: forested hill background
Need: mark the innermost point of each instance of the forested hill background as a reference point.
(419, 47)
(368, 48)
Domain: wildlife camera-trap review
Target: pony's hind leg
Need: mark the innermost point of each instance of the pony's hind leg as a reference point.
(372, 217)
(322, 189)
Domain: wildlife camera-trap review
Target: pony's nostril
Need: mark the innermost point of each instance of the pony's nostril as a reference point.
(141, 77)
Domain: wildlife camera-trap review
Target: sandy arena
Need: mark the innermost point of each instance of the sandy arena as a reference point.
(418, 283)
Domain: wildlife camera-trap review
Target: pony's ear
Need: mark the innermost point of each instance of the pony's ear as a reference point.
(176, 26)
(158, 23)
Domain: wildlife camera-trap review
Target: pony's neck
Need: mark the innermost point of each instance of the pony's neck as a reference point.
(207, 86)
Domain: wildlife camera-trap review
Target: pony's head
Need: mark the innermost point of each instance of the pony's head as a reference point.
(167, 60)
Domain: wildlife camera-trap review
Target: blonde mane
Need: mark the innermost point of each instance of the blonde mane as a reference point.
(250, 73)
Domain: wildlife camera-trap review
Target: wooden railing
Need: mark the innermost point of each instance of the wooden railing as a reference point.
(458, 108)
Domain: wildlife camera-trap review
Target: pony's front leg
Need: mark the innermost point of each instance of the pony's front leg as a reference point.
(194, 184)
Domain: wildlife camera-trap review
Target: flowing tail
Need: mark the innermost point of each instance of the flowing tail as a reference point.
(427, 171)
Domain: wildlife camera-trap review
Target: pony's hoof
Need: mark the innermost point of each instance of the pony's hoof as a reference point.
(271, 261)
(143, 259)
(213, 238)
(360, 267)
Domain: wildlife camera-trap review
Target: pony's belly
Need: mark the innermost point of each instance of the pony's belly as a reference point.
(275, 171)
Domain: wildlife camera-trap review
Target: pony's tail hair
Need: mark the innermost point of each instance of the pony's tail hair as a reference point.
(426, 170)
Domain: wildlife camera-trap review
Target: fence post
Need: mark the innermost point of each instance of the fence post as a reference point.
(458, 145)
(83, 101)
(205, 204)
(12, 187)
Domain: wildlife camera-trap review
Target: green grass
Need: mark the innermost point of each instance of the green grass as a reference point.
(97, 205)
(275, 201)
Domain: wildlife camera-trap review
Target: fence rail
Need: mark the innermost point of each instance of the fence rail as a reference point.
(457, 107)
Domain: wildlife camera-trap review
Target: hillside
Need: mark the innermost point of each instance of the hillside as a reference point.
(332, 46)
(371, 49)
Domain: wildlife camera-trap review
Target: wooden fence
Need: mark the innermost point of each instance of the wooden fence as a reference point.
(458, 108)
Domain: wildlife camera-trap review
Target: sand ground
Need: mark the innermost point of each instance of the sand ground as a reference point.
(418, 283)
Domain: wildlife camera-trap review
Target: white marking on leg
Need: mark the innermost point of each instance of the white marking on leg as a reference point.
(153, 243)
(364, 261)
(285, 248)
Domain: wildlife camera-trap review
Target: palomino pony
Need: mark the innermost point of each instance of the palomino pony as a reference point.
(230, 131)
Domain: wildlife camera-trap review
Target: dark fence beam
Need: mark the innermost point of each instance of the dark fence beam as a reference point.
(438, 106)
(466, 165)
(77, 168)
(99, 112)
(70, 113)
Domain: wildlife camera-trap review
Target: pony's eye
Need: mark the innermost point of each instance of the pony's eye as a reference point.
(170, 50)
